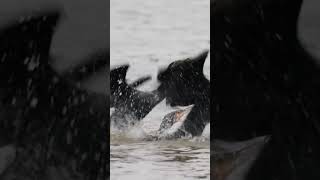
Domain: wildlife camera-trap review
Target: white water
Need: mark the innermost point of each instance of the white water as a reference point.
(149, 35)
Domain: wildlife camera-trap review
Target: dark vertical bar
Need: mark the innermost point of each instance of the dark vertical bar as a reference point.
(108, 92)
(212, 105)
(54, 117)
(265, 90)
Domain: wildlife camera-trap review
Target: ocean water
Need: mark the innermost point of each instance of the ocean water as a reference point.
(149, 35)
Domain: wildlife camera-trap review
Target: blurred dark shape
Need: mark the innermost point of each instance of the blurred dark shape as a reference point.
(233, 160)
(51, 122)
(264, 82)
(92, 64)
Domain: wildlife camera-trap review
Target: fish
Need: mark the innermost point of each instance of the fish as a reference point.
(171, 126)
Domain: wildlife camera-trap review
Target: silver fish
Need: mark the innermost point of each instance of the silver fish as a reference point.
(172, 125)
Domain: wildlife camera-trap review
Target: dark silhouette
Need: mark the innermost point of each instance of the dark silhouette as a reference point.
(183, 83)
(94, 63)
(43, 114)
(131, 105)
(264, 82)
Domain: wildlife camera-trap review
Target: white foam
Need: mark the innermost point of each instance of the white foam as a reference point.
(206, 132)
(152, 121)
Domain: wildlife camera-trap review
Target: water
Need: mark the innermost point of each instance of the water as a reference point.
(149, 35)
(159, 160)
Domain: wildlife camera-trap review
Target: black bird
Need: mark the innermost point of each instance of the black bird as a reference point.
(131, 105)
(183, 83)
